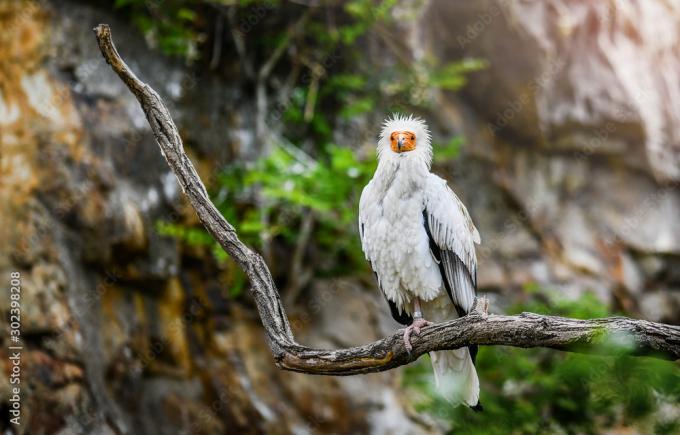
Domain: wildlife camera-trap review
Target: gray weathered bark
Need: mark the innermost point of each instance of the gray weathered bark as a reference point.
(601, 336)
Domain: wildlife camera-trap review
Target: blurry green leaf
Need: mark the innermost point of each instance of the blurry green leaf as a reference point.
(186, 14)
(448, 151)
(122, 3)
(321, 125)
(358, 107)
(347, 82)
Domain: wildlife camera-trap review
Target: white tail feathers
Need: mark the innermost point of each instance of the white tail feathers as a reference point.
(455, 376)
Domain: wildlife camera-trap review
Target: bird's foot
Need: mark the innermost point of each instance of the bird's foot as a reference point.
(416, 326)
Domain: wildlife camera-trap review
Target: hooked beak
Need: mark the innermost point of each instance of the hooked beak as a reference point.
(402, 141)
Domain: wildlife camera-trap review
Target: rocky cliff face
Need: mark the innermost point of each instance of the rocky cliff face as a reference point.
(573, 126)
(569, 171)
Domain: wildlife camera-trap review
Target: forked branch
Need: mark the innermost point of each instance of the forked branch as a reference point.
(604, 336)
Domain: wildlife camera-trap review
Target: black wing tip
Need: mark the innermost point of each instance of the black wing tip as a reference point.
(473, 349)
(403, 317)
(478, 407)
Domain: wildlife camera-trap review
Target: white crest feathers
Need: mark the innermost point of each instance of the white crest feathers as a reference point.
(399, 122)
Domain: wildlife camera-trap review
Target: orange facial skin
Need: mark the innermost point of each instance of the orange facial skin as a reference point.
(402, 141)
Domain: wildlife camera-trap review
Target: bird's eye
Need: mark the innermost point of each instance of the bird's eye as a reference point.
(413, 137)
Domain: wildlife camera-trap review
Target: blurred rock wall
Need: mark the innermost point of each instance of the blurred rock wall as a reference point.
(574, 128)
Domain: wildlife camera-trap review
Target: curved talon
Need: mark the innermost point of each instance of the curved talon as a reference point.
(416, 327)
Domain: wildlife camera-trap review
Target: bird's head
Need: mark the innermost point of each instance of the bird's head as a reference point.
(405, 136)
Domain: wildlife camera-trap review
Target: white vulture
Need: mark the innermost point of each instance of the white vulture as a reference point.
(419, 239)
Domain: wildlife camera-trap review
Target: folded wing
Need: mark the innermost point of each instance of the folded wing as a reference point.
(452, 242)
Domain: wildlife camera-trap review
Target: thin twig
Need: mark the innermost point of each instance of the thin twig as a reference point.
(217, 43)
(239, 43)
(312, 92)
(299, 276)
(291, 33)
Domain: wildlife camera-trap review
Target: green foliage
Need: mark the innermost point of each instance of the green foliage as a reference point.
(292, 185)
(169, 25)
(415, 85)
(193, 236)
(398, 88)
(448, 151)
(365, 13)
(527, 391)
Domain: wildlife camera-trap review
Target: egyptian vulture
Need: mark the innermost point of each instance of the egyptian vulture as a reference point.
(420, 242)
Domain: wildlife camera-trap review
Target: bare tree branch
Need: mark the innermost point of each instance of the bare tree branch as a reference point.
(600, 336)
